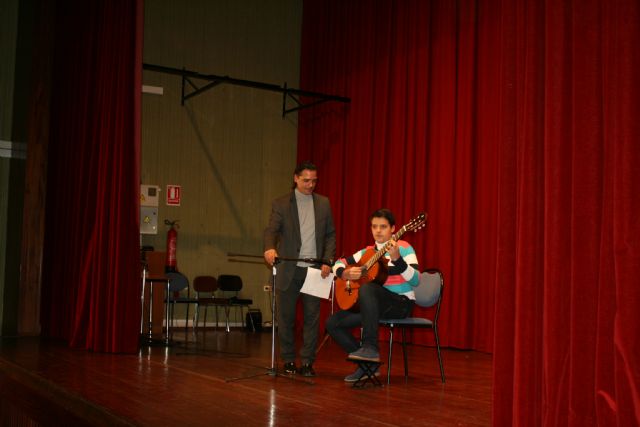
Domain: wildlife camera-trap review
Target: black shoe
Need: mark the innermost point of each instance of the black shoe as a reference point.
(290, 368)
(306, 370)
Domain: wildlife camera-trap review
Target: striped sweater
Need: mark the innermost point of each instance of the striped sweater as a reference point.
(404, 274)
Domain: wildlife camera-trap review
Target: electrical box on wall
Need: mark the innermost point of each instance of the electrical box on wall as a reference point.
(149, 197)
(148, 220)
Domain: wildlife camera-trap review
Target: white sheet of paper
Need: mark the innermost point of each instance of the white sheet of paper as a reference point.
(315, 285)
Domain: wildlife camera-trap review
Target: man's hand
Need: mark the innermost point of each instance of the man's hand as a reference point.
(324, 271)
(270, 256)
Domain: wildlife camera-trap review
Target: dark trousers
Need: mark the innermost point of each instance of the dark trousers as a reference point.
(375, 302)
(287, 301)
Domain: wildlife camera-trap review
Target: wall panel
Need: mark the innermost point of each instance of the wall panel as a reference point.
(229, 148)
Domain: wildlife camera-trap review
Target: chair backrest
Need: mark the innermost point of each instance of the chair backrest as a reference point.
(177, 281)
(430, 288)
(205, 284)
(229, 283)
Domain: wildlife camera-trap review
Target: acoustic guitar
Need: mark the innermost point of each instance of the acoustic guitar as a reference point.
(374, 267)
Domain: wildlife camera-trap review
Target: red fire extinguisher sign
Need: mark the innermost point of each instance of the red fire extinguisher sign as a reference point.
(173, 195)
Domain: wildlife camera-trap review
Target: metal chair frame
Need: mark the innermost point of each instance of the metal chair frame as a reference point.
(229, 283)
(425, 299)
(177, 283)
(207, 285)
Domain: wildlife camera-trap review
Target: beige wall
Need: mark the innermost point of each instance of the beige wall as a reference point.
(229, 147)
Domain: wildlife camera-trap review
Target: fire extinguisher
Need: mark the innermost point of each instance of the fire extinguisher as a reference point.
(171, 264)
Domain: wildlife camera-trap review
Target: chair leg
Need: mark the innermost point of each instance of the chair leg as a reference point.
(195, 317)
(253, 325)
(170, 319)
(390, 354)
(186, 319)
(227, 309)
(435, 333)
(167, 320)
(404, 354)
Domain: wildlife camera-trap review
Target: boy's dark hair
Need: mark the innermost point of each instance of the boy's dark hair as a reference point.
(383, 213)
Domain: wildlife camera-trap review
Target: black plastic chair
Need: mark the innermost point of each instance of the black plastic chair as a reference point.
(428, 294)
(231, 285)
(178, 282)
(205, 288)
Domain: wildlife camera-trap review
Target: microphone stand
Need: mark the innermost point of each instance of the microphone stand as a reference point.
(273, 370)
(326, 334)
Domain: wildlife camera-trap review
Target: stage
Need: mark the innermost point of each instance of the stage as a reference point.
(194, 383)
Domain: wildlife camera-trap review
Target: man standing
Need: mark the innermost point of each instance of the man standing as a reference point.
(301, 227)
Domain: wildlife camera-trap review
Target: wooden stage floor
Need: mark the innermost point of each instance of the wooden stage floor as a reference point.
(44, 382)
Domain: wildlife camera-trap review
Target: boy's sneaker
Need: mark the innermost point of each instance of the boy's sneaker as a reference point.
(359, 373)
(367, 354)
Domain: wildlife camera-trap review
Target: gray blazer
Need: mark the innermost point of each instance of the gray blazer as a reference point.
(283, 233)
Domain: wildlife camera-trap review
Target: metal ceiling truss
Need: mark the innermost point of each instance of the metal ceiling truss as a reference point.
(192, 86)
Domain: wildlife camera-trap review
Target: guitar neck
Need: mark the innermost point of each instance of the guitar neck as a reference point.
(384, 249)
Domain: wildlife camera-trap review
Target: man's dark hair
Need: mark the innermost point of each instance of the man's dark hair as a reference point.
(383, 213)
(302, 166)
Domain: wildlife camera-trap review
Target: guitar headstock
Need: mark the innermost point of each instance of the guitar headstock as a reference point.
(417, 223)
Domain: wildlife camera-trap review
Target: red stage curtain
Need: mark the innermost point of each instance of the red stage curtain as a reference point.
(514, 125)
(91, 268)
(420, 134)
